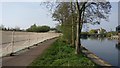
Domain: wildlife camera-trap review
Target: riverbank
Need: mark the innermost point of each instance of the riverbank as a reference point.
(94, 57)
(61, 54)
(104, 48)
(114, 37)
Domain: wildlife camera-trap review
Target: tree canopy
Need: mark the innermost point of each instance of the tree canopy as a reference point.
(72, 15)
(35, 28)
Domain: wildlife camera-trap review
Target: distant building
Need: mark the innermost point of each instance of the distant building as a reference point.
(118, 28)
(99, 31)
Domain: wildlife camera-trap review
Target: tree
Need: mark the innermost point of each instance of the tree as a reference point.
(43, 29)
(102, 31)
(35, 28)
(62, 14)
(92, 31)
(77, 13)
(90, 12)
(73, 24)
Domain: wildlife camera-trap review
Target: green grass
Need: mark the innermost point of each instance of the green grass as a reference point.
(61, 54)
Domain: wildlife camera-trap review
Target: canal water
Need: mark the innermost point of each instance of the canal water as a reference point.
(104, 48)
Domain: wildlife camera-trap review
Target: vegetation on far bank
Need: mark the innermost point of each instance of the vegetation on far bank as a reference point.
(106, 34)
(61, 54)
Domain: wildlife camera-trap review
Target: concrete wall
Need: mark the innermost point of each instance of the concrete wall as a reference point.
(14, 41)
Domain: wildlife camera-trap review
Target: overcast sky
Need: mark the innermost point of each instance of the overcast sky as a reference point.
(24, 14)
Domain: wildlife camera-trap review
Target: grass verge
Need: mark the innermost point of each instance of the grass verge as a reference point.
(61, 54)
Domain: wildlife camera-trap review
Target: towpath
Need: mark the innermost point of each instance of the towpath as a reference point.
(25, 58)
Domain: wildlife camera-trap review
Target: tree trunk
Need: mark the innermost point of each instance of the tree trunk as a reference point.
(79, 25)
(78, 39)
(73, 38)
(78, 30)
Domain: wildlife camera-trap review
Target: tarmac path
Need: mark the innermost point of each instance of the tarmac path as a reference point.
(25, 58)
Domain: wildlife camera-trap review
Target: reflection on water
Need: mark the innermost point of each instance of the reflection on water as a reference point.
(106, 49)
(118, 46)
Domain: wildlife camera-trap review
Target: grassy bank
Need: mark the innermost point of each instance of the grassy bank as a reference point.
(61, 54)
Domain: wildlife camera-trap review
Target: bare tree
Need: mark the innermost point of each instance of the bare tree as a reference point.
(90, 12)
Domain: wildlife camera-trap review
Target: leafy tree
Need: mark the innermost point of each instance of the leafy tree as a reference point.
(44, 28)
(75, 14)
(111, 33)
(35, 28)
(65, 15)
(102, 31)
(92, 31)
